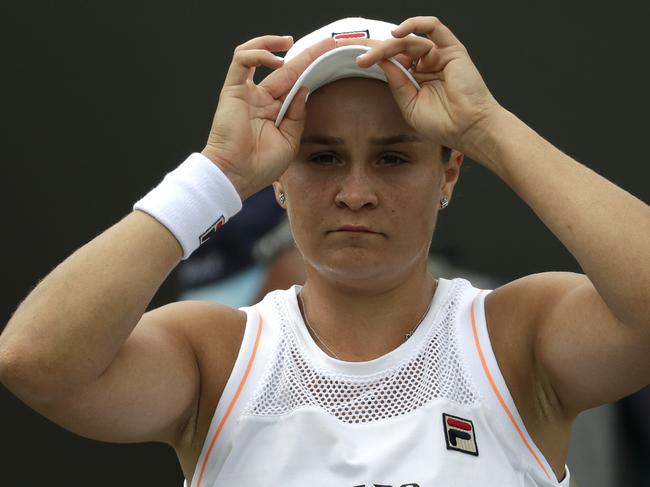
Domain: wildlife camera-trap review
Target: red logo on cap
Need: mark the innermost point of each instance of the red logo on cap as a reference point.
(358, 34)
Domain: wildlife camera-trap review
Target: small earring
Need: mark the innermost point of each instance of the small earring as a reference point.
(444, 203)
(282, 197)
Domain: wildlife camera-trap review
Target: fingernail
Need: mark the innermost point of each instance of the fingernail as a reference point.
(288, 37)
(279, 58)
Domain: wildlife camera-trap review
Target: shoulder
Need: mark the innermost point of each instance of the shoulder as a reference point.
(214, 332)
(527, 299)
(517, 315)
(516, 312)
(207, 326)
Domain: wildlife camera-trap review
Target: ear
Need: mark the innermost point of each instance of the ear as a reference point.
(277, 189)
(451, 173)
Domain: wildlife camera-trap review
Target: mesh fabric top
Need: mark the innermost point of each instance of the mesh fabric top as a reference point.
(433, 369)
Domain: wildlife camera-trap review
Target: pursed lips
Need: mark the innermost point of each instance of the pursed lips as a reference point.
(355, 229)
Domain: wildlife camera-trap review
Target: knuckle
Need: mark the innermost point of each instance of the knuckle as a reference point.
(403, 43)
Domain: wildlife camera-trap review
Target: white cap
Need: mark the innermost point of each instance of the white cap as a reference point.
(340, 62)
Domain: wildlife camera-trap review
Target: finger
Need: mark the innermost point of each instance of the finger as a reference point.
(402, 88)
(293, 121)
(412, 46)
(429, 26)
(279, 82)
(244, 62)
(437, 60)
(403, 59)
(296, 111)
(268, 43)
(430, 62)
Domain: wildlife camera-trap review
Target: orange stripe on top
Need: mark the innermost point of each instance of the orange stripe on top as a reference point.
(498, 394)
(233, 401)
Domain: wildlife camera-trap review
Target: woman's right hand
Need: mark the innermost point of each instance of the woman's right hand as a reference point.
(244, 141)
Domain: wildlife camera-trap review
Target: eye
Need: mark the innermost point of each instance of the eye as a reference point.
(324, 158)
(391, 160)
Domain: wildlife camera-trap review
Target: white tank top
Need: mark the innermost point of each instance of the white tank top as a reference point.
(435, 411)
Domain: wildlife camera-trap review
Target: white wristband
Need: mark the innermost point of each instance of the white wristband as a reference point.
(193, 201)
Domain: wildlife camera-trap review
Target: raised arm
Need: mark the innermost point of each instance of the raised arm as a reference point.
(592, 331)
(589, 335)
(81, 350)
(65, 350)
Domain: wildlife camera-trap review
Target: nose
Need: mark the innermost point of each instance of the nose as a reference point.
(356, 191)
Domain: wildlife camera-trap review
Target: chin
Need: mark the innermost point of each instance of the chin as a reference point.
(364, 267)
(358, 268)
(351, 257)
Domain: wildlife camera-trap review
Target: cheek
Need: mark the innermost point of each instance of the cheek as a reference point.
(414, 189)
(307, 203)
(413, 208)
(306, 189)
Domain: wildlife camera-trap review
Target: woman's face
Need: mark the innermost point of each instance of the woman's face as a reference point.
(363, 194)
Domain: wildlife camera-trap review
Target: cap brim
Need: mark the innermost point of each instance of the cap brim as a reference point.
(339, 63)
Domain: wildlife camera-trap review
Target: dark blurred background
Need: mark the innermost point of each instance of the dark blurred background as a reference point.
(101, 99)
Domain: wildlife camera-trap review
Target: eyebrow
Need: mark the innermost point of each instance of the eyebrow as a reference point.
(396, 139)
(389, 140)
(322, 140)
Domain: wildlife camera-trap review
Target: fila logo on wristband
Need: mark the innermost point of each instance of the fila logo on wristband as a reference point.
(212, 229)
(459, 434)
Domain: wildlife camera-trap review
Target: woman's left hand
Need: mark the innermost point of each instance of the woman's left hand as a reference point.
(454, 101)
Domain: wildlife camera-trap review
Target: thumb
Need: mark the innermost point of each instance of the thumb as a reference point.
(294, 120)
(402, 88)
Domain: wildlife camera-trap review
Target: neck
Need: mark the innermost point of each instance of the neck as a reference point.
(361, 326)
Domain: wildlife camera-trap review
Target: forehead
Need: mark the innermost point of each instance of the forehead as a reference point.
(354, 105)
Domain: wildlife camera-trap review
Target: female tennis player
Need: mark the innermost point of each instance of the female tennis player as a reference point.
(374, 373)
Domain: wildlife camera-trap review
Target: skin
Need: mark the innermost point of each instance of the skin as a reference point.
(564, 342)
(343, 176)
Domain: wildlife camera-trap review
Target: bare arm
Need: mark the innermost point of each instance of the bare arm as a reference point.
(89, 304)
(591, 333)
(79, 350)
(68, 336)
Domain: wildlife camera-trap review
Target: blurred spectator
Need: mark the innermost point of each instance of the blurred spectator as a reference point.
(225, 269)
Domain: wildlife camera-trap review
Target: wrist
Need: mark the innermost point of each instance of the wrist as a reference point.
(238, 181)
(193, 201)
(483, 140)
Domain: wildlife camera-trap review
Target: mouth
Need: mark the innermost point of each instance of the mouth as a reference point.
(355, 229)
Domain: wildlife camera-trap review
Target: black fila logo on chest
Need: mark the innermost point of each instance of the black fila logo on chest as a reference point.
(459, 434)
